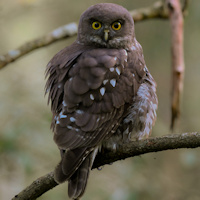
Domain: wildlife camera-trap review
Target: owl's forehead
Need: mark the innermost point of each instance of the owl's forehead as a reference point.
(106, 12)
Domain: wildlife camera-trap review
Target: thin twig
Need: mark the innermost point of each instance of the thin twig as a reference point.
(62, 32)
(124, 150)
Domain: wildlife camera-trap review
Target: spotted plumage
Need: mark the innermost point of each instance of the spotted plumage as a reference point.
(100, 91)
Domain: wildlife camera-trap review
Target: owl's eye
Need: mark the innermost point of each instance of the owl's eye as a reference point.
(116, 26)
(96, 25)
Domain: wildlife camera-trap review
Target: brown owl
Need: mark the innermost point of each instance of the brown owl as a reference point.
(100, 91)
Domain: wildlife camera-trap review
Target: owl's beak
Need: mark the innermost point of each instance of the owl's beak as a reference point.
(106, 33)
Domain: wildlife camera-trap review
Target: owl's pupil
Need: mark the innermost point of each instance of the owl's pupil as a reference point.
(116, 26)
(96, 25)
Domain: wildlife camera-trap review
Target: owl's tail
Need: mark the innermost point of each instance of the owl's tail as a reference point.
(75, 167)
(78, 181)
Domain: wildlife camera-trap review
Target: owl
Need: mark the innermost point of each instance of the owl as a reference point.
(100, 91)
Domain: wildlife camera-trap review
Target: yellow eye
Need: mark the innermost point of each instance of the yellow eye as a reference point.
(96, 25)
(116, 26)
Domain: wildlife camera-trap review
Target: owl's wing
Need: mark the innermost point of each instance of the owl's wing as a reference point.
(57, 73)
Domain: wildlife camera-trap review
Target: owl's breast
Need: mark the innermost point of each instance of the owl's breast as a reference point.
(100, 80)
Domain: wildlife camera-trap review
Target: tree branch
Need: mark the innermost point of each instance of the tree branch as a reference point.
(124, 150)
(157, 10)
(62, 32)
(178, 66)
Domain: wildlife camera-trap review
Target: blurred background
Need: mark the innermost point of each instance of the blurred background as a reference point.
(27, 150)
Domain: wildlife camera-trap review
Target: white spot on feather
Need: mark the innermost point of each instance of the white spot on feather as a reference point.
(112, 69)
(64, 103)
(102, 91)
(118, 70)
(91, 96)
(126, 54)
(140, 109)
(62, 116)
(115, 58)
(142, 119)
(72, 119)
(70, 127)
(113, 82)
(133, 48)
(79, 112)
(57, 120)
(105, 81)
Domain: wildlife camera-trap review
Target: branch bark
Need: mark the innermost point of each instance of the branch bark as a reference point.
(157, 10)
(124, 150)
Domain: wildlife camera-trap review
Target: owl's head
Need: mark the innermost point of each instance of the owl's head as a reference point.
(106, 25)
